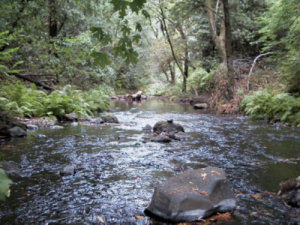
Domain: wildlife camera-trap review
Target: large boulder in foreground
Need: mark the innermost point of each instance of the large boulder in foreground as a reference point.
(192, 196)
(168, 127)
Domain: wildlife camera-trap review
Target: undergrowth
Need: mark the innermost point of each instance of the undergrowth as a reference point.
(266, 105)
(18, 100)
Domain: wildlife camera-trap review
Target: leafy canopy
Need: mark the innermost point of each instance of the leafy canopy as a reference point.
(281, 34)
(123, 45)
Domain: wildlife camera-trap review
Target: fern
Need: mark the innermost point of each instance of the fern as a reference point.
(278, 106)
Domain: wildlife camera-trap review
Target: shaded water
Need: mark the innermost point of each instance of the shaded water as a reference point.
(116, 177)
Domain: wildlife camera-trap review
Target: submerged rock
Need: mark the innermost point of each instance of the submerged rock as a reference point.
(67, 171)
(167, 127)
(181, 136)
(161, 138)
(192, 196)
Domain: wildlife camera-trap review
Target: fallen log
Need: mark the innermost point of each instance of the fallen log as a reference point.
(135, 97)
(32, 81)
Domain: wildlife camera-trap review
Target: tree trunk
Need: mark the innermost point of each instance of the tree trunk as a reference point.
(218, 39)
(52, 19)
(229, 60)
(169, 40)
(172, 72)
(186, 59)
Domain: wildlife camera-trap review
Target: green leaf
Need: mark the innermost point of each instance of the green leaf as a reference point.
(138, 27)
(136, 38)
(99, 33)
(101, 59)
(131, 57)
(4, 185)
(145, 13)
(121, 6)
(126, 30)
(137, 5)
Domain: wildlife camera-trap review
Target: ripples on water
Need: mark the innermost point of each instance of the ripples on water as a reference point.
(115, 177)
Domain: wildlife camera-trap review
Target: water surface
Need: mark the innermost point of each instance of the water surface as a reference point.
(116, 177)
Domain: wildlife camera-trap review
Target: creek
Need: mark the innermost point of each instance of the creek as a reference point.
(117, 169)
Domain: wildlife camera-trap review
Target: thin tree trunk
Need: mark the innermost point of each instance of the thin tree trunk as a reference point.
(52, 19)
(219, 40)
(169, 40)
(229, 60)
(172, 72)
(252, 67)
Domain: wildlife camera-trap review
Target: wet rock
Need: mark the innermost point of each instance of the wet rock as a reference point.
(147, 128)
(294, 200)
(39, 135)
(161, 138)
(56, 127)
(164, 126)
(201, 106)
(113, 97)
(67, 171)
(192, 196)
(122, 137)
(74, 124)
(170, 121)
(97, 121)
(289, 185)
(181, 136)
(109, 118)
(16, 132)
(11, 169)
(71, 117)
(32, 127)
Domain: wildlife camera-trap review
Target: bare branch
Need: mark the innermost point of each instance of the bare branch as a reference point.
(253, 65)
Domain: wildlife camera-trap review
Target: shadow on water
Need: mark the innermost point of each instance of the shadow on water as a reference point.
(116, 177)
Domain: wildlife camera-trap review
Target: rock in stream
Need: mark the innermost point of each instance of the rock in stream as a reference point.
(192, 196)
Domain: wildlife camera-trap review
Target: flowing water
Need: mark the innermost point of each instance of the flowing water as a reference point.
(117, 168)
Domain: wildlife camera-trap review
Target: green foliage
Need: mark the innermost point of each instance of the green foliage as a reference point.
(5, 182)
(281, 34)
(273, 106)
(21, 101)
(123, 43)
(163, 89)
(6, 56)
(201, 79)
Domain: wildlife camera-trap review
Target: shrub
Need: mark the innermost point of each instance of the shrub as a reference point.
(264, 104)
(201, 79)
(21, 101)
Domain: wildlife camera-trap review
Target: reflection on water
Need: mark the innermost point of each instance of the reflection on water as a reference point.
(115, 177)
